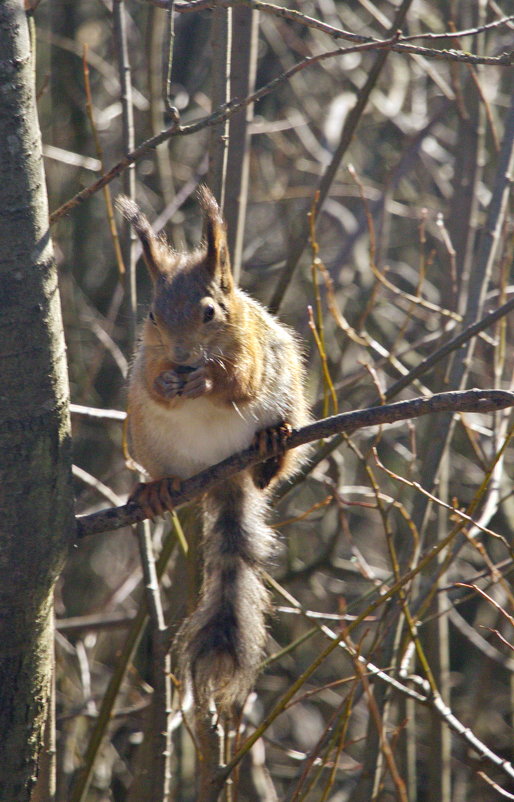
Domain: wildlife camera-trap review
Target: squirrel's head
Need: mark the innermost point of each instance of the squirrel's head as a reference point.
(192, 291)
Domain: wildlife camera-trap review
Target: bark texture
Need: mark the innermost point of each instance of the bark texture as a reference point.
(35, 478)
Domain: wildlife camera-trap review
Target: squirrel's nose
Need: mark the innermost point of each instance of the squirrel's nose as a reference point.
(181, 354)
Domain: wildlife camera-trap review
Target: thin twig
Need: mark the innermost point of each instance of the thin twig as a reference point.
(159, 731)
(379, 724)
(220, 91)
(99, 152)
(101, 488)
(437, 704)
(491, 601)
(494, 785)
(128, 143)
(245, 45)
(170, 108)
(101, 414)
(456, 512)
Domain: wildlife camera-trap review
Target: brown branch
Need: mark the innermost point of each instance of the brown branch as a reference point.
(458, 34)
(376, 714)
(347, 422)
(494, 785)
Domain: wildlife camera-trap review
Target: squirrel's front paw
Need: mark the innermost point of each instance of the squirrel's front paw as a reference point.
(197, 383)
(183, 382)
(169, 384)
(155, 498)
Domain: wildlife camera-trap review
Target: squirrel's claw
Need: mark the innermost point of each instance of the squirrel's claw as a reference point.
(271, 439)
(156, 498)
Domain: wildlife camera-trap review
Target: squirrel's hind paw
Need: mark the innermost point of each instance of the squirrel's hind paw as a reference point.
(273, 439)
(156, 498)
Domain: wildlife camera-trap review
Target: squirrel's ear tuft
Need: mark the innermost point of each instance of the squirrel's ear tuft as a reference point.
(217, 258)
(139, 222)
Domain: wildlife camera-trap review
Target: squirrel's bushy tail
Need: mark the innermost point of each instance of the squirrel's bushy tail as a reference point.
(221, 644)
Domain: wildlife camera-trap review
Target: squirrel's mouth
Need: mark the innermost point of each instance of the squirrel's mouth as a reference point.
(184, 369)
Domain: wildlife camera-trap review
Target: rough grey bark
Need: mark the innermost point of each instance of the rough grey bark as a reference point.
(35, 476)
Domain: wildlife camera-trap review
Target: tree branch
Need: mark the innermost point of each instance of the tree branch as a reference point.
(347, 422)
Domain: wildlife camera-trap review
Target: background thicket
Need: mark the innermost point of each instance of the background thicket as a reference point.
(409, 243)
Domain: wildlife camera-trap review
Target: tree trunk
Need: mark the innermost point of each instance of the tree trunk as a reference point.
(35, 479)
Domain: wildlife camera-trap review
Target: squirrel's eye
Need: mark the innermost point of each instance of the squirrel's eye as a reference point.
(152, 317)
(208, 312)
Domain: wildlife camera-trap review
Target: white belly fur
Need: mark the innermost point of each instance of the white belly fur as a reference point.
(194, 436)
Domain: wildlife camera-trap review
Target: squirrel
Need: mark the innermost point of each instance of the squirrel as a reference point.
(214, 373)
